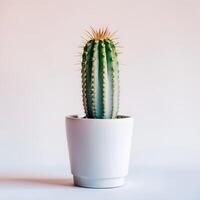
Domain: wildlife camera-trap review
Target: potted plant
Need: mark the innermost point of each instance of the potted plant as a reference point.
(99, 143)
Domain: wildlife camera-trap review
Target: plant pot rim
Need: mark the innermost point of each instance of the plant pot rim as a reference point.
(79, 117)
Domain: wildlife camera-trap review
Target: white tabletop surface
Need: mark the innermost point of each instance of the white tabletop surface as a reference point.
(142, 184)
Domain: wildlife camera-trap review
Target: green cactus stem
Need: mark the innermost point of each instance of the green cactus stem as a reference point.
(100, 76)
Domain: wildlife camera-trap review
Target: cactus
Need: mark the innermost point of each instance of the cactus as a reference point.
(100, 75)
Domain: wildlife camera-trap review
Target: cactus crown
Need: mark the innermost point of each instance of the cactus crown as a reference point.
(100, 75)
(100, 34)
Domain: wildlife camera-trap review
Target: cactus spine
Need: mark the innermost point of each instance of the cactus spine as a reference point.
(100, 76)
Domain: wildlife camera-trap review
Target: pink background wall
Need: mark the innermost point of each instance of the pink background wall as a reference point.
(40, 83)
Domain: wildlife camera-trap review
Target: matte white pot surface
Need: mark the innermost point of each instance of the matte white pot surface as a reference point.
(99, 150)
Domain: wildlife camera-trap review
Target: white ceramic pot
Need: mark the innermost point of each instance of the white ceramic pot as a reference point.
(99, 150)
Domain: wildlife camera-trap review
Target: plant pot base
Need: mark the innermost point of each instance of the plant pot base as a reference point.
(99, 183)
